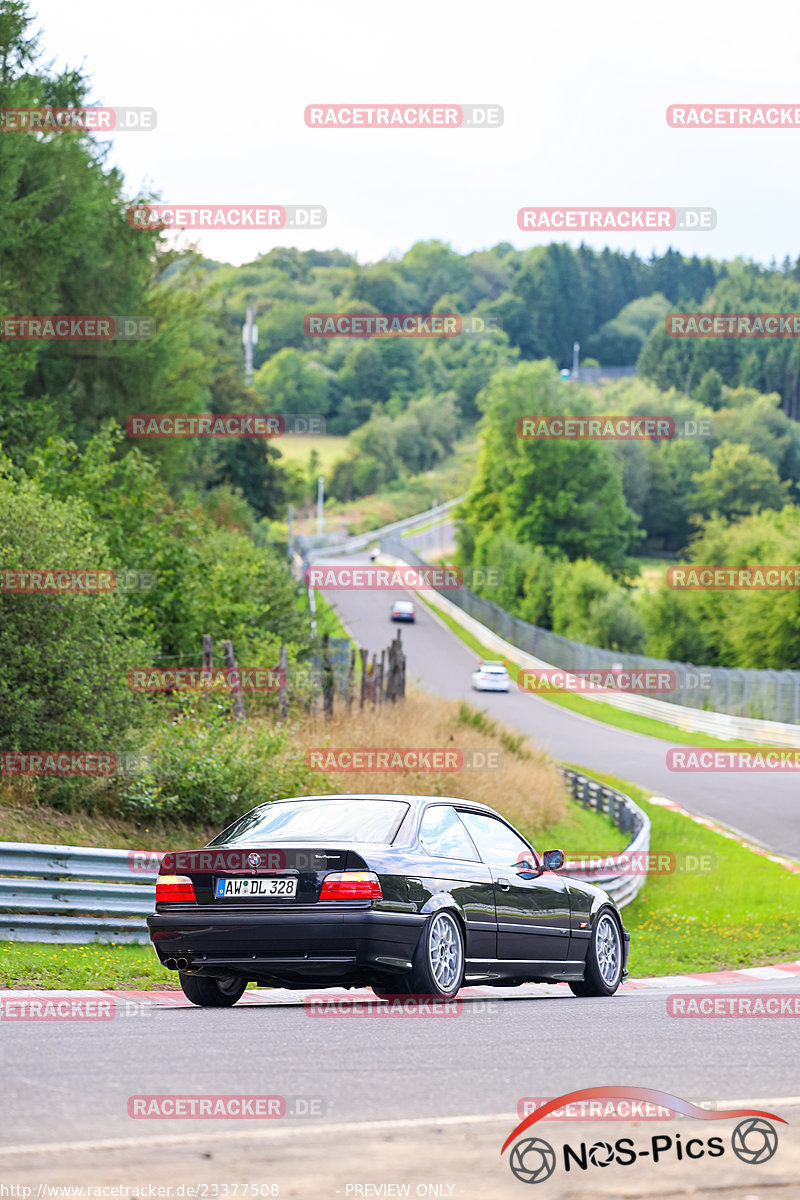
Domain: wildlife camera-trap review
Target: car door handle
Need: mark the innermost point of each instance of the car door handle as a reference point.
(504, 884)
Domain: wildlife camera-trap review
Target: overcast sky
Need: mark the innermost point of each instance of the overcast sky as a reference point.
(584, 87)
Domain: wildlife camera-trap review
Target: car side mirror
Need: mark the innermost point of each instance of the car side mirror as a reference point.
(553, 860)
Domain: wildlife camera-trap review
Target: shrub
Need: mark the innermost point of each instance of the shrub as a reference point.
(64, 656)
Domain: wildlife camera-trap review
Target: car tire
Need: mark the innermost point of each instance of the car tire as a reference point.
(438, 962)
(603, 973)
(211, 993)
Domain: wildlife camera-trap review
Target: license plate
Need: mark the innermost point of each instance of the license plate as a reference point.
(276, 885)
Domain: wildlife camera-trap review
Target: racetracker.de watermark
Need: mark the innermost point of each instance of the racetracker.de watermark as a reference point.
(227, 216)
(414, 1007)
(407, 324)
(71, 1008)
(403, 758)
(356, 577)
(597, 1110)
(232, 1107)
(202, 679)
(757, 758)
(732, 1004)
(403, 116)
(250, 859)
(618, 679)
(630, 219)
(57, 762)
(76, 329)
(47, 119)
(729, 325)
(733, 116)
(77, 581)
(642, 862)
(223, 425)
(595, 428)
(733, 579)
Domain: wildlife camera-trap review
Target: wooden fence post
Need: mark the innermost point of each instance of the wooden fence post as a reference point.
(380, 677)
(327, 679)
(230, 662)
(363, 654)
(282, 691)
(373, 680)
(351, 678)
(206, 652)
(393, 678)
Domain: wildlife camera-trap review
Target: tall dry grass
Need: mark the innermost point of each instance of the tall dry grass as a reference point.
(528, 788)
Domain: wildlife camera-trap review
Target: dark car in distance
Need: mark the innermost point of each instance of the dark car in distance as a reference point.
(409, 895)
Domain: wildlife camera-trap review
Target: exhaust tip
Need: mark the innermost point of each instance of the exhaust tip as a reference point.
(170, 964)
(182, 963)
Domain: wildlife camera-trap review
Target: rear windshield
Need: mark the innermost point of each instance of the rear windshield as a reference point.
(315, 821)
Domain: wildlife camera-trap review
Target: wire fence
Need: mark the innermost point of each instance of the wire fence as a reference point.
(762, 694)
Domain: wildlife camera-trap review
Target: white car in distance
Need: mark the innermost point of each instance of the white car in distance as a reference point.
(491, 677)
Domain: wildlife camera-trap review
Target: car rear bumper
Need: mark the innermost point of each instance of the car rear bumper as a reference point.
(339, 946)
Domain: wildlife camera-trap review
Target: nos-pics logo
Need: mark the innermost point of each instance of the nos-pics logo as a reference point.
(533, 1160)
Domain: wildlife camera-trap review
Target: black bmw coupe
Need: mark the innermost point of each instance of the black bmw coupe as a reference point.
(409, 895)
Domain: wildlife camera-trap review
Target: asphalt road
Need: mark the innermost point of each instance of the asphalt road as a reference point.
(365, 1068)
(764, 807)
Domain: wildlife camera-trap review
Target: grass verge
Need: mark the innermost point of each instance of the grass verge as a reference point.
(744, 913)
(327, 617)
(96, 966)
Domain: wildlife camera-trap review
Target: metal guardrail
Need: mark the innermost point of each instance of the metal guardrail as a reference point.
(311, 546)
(618, 874)
(73, 894)
(76, 894)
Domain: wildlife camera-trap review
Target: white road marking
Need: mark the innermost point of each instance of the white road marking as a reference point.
(305, 1128)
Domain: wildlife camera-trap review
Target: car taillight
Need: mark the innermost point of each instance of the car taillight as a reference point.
(351, 885)
(174, 887)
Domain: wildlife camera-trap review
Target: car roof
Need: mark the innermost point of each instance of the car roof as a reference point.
(403, 604)
(497, 665)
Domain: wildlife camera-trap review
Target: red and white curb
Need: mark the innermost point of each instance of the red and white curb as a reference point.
(785, 971)
(790, 864)
(272, 997)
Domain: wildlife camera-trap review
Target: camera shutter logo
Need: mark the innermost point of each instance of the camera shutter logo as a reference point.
(533, 1160)
(754, 1140)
